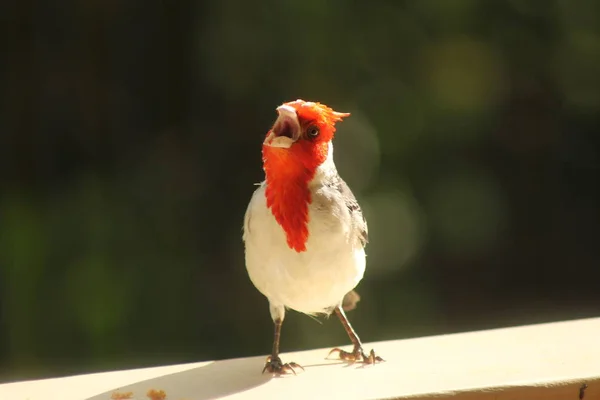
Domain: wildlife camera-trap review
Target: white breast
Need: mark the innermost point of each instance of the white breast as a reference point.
(312, 281)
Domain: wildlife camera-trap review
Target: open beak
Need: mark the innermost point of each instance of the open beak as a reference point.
(286, 129)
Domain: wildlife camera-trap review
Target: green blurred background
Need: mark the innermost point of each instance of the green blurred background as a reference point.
(130, 137)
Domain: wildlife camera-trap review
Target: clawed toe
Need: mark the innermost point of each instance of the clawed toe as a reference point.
(344, 355)
(372, 358)
(357, 355)
(274, 365)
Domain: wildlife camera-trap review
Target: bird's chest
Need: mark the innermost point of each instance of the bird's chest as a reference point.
(310, 280)
(326, 232)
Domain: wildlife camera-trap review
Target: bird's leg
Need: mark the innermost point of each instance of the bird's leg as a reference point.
(357, 354)
(274, 363)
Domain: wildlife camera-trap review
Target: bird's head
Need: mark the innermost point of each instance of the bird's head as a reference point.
(300, 136)
(297, 144)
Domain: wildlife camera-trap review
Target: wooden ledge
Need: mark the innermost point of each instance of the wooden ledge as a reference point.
(547, 361)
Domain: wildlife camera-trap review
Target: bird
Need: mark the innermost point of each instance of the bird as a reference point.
(304, 232)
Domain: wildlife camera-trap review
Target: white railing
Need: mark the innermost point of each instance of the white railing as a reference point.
(546, 361)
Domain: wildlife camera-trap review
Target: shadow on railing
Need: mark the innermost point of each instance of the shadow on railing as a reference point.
(212, 381)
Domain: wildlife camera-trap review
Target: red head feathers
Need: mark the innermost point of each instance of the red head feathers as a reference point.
(294, 148)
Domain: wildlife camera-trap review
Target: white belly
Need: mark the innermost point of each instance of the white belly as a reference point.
(311, 281)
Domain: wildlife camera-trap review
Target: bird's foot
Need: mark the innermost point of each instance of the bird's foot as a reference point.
(357, 355)
(274, 365)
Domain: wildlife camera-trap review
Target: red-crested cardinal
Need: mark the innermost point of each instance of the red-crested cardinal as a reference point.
(304, 231)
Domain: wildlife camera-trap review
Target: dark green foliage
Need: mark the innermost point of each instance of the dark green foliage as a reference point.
(130, 137)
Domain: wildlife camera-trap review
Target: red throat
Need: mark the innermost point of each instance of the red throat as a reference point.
(288, 174)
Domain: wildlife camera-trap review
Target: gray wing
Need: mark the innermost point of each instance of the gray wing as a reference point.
(359, 224)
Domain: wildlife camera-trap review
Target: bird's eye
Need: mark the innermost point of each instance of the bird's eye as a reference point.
(312, 131)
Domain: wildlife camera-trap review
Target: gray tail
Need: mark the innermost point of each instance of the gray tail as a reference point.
(350, 300)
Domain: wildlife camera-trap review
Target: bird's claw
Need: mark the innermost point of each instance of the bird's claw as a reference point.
(357, 355)
(372, 358)
(343, 355)
(274, 365)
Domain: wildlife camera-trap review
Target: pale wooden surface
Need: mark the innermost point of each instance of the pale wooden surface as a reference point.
(548, 361)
